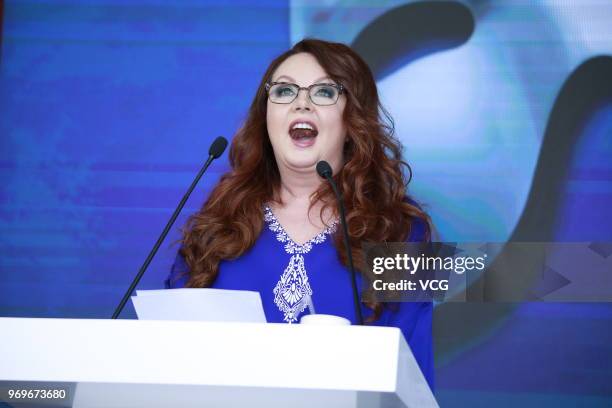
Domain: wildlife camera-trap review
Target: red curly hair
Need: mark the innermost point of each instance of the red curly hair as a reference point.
(372, 183)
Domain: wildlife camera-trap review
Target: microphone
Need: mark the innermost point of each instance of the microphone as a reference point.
(216, 149)
(325, 171)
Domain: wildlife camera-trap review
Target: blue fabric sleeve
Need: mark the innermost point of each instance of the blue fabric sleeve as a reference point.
(415, 322)
(179, 274)
(421, 342)
(415, 319)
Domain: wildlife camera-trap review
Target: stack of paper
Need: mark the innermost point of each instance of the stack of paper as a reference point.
(212, 305)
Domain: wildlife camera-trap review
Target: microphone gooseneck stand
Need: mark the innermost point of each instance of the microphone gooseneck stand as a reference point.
(216, 149)
(325, 171)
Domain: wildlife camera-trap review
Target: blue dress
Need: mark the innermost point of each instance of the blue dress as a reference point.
(299, 279)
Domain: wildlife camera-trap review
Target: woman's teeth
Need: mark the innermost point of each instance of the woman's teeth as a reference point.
(301, 125)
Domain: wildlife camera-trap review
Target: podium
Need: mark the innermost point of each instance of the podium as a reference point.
(136, 363)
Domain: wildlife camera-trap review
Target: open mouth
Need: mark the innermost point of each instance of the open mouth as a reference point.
(303, 133)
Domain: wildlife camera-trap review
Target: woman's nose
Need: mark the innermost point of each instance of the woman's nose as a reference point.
(302, 101)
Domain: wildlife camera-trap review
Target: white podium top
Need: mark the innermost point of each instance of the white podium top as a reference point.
(197, 361)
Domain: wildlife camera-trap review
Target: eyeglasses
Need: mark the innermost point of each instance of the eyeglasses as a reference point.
(319, 94)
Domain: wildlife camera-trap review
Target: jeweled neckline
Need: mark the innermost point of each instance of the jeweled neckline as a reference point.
(290, 245)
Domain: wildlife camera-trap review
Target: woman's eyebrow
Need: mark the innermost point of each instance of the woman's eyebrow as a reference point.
(284, 76)
(322, 78)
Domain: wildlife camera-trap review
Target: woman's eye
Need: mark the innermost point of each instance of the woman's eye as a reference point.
(284, 91)
(326, 92)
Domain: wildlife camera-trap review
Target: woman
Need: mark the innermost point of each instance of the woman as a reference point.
(270, 223)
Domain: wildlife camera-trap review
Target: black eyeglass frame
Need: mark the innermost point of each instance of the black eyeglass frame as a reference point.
(339, 87)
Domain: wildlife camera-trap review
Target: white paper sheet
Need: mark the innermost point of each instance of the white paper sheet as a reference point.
(211, 305)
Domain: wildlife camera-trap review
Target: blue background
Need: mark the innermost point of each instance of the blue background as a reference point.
(107, 109)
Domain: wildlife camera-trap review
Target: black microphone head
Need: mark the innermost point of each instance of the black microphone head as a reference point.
(324, 169)
(217, 147)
